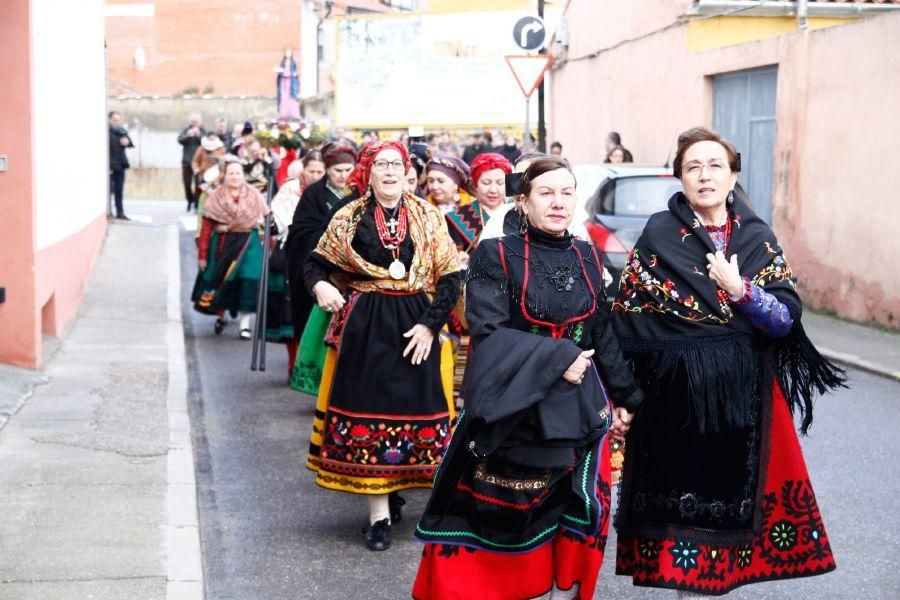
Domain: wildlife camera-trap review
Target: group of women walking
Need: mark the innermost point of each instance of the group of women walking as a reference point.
(461, 340)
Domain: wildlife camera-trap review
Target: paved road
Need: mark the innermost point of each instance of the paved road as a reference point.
(268, 532)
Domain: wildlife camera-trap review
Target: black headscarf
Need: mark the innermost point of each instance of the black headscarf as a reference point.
(667, 309)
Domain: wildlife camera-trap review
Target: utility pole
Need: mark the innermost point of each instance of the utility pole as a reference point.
(542, 127)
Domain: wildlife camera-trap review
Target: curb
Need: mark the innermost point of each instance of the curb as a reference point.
(852, 360)
(184, 566)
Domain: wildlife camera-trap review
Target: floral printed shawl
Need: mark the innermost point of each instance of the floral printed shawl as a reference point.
(240, 215)
(435, 253)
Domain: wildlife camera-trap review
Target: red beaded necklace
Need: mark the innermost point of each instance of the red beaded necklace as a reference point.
(392, 233)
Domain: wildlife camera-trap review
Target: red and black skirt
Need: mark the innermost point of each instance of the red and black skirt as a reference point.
(784, 536)
(506, 532)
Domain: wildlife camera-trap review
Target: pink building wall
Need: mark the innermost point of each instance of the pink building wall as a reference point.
(49, 241)
(837, 132)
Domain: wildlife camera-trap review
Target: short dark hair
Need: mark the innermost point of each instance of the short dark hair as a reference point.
(701, 134)
(556, 145)
(539, 167)
(614, 137)
(113, 112)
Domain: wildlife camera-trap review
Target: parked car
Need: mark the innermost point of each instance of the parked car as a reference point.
(615, 202)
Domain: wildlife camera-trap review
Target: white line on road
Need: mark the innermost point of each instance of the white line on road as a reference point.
(184, 565)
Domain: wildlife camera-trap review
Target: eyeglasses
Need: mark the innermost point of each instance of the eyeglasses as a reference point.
(715, 168)
(382, 165)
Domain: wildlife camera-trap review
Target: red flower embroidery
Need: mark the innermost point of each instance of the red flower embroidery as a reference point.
(427, 435)
(360, 432)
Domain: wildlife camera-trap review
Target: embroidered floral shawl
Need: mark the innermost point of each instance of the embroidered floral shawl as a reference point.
(667, 306)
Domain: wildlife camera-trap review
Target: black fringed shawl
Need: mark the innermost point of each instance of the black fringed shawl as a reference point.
(667, 310)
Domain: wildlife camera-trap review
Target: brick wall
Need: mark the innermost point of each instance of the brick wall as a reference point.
(229, 46)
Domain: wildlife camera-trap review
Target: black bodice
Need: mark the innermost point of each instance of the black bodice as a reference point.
(562, 285)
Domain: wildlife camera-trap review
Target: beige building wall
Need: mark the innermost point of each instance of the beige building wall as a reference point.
(837, 131)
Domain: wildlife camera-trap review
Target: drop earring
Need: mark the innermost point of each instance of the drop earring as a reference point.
(730, 199)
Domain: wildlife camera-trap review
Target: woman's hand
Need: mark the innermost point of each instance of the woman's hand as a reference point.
(621, 424)
(202, 263)
(421, 339)
(575, 373)
(726, 274)
(328, 297)
(222, 228)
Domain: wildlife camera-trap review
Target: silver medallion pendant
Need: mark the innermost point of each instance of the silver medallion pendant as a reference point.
(397, 270)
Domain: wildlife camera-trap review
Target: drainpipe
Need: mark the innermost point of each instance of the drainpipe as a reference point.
(773, 8)
(803, 14)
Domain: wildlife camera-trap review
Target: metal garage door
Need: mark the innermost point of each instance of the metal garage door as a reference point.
(744, 113)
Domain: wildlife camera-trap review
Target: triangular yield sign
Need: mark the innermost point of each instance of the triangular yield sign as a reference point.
(529, 69)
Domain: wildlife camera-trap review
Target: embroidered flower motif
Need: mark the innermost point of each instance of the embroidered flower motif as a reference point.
(688, 505)
(649, 549)
(717, 509)
(696, 224)
(746, 509)
(393, 455)
(737, 221)
(744, 556)
(360, 433)
(783, 535)
(685, 555)
(426, 435)
(685, 234)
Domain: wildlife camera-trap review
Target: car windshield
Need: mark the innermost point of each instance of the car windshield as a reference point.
(634, 196)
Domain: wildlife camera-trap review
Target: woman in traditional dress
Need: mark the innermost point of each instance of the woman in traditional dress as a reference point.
(383, 415)
(229, 250)
(448, 179)
(465, 224)
(521, 503)
(279, 328)
(314, 210)
(715, 492)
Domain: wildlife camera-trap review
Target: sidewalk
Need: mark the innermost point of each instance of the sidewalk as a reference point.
(97, 486)
(866, 348)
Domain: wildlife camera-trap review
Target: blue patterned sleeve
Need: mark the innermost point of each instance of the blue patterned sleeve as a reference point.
(766, 312)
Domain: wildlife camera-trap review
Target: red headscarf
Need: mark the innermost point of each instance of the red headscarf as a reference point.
(359, 178)
(488, 162)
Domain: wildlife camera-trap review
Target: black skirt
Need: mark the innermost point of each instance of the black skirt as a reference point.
(387, 423)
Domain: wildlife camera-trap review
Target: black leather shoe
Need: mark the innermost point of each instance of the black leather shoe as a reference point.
(220, 325)
(378, 536)
(395, 504)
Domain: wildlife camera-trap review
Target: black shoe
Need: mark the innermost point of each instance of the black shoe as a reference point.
(220, 325)
(122, 218)
(378, 536)
(395, 503)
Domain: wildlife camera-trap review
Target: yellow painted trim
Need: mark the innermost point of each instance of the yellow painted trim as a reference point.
(720, 32)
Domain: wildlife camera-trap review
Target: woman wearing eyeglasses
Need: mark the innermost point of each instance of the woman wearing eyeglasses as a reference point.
(715, 492)
(388, 271)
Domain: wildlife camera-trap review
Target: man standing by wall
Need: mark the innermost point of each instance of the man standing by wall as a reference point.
(118, 162)
(190, 139)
